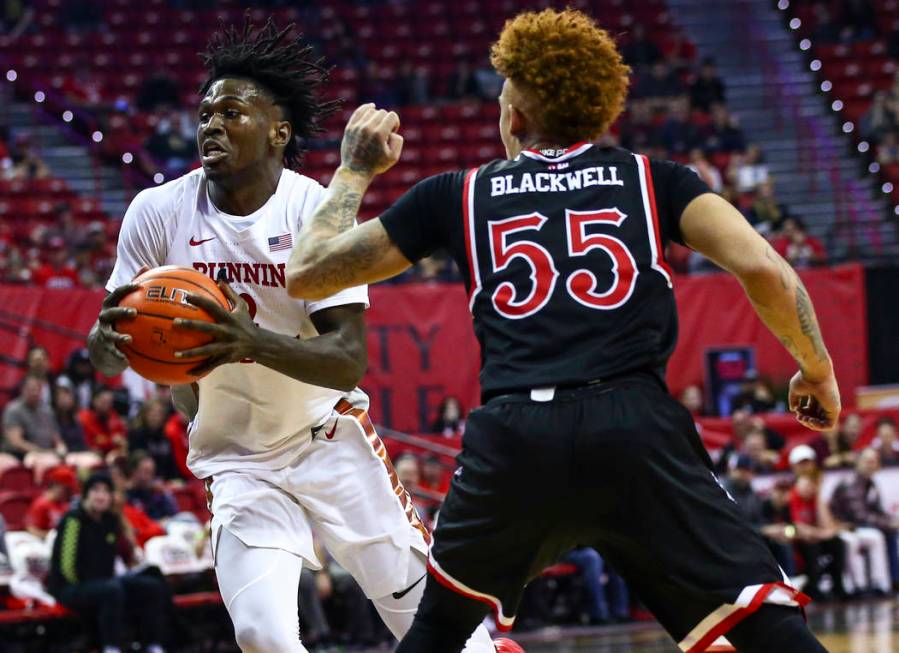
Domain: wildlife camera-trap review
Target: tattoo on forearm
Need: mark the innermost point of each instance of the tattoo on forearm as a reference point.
(783, 267)
(346, 270)
(808, 323)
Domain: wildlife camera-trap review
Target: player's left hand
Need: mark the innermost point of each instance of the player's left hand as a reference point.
(371, 142)
(234, 331)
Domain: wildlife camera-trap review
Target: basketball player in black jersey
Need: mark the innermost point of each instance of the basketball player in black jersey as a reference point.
(578, 442)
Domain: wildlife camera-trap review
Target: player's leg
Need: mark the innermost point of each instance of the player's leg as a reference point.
(774, 628)
(665, 524)
(367, 521)
(259, 587)
(260, 538)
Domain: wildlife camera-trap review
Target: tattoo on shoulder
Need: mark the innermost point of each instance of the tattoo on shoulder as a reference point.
(808, 323)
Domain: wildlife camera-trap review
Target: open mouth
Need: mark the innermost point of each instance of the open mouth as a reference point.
(213, 152)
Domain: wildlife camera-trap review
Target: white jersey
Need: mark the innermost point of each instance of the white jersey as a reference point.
(249, 416)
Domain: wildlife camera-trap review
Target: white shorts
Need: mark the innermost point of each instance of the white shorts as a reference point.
(344, 486)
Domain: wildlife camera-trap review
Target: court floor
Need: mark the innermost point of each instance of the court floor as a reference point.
(858, 627)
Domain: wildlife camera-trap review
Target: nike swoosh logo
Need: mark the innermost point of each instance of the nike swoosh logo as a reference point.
(194, 243)
(399, 595)
(330, 434)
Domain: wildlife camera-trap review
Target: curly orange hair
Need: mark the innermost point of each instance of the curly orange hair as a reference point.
(569, 68)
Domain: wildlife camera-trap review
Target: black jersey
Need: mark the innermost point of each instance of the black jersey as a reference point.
(562, 255)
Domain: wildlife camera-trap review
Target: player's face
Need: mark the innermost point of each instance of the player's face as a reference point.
(236, 121)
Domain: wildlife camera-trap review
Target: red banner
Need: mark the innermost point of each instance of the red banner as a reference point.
(714, 312)
(421, 346)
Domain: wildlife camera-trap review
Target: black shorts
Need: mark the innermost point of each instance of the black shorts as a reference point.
(617, 466)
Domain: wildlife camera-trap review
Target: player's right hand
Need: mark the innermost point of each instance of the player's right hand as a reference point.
(103, 340)
(816, 404)
(371, 144)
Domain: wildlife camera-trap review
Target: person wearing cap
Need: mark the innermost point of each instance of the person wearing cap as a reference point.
(804, 461)
(48, 508)
(82, 572)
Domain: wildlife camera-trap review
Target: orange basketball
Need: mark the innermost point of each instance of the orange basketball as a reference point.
(160, 299)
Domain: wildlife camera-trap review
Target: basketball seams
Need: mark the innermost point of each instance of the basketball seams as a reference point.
(186, 363)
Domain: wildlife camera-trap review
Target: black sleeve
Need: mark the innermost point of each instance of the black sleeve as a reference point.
(675, 186)
(420, 221)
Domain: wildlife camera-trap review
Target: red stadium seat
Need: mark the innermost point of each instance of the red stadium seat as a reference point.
(14, 508)
(16, 479)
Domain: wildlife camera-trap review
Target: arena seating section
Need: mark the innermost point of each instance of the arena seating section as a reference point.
(859, 69)
(142, 39)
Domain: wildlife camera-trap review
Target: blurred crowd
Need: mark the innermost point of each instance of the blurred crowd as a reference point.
(880, 124)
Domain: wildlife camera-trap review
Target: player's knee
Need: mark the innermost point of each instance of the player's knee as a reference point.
(260, 637)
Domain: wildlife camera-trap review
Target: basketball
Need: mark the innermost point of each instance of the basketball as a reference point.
(162, 297)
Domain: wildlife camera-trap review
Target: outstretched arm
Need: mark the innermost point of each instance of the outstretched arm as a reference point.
(713, 227)
(330, 254)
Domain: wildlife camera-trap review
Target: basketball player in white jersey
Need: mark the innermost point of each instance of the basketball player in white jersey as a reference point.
(279, 430)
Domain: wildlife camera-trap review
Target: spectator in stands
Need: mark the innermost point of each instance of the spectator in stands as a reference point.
(692, 400)
(797, 246)
(817, 541)
(434, 475)
(148, 434)
(640, 51)
(413, 85)
(82, 572)
(81, 374)
(66, 412)
(25, 163)
(48, 508)
(747, 170)
(173, 142)
(738, 484)
(37, 362)
(592, 567)
(878, 119)
(777, 525)
(706, 171)
(450, 420)
(157, 90)
(888, 150)
(755, 447)
(885, 441)
(724, 135)
(756, 397)
(488, 81)
(30, 431)
(57, 271)
(462, 84)
(147, 491)
(856, 502)
(851, 428)
(104, 430)
(708, 88)
(745, 424)
(833, 449)
(804, 462)
(661, 84)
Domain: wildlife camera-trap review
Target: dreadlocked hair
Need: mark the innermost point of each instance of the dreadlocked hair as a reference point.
(285, 66)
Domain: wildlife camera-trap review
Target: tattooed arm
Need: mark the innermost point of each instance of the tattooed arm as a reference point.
(713, 227)
(330, 253)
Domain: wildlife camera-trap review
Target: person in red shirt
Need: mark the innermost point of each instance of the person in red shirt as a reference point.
(795, 245)
(104, 430)
(47, 509)
(57, 272)
(817, 542)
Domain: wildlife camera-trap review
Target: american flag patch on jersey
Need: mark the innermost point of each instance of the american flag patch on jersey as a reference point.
(277, 243)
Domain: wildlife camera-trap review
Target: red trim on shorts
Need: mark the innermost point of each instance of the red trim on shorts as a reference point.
(344, 407)
(739, 615)
(450, 585)
(657, 234)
